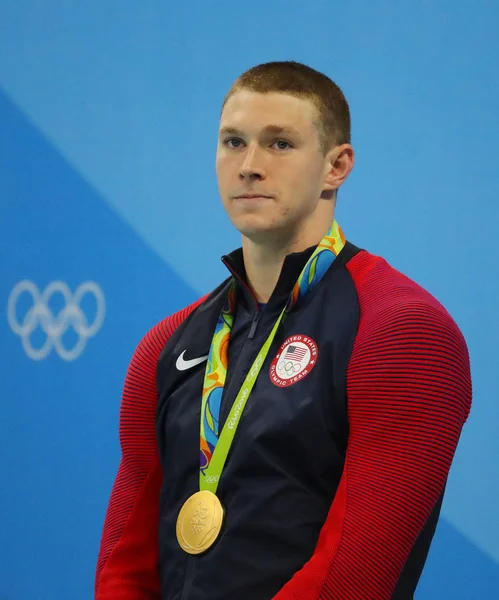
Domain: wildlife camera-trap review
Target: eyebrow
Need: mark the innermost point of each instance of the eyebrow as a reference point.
(276, 129)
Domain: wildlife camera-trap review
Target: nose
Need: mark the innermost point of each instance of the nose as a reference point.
(251, 167)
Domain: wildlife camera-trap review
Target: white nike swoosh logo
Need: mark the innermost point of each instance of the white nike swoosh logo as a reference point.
(183, 365)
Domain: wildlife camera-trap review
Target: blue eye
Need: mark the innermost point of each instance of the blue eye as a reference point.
(227, 142)
(283, 142)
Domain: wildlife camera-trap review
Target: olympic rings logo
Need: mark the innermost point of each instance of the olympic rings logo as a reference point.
(212, 478)
(288, 367)
(255, 369)
(54, 326)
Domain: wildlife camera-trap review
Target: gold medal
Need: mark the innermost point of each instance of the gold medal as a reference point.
(199, 522)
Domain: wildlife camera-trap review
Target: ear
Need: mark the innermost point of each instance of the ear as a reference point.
(338, 164)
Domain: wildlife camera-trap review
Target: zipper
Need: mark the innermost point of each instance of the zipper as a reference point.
(256, 317)
(254, 324)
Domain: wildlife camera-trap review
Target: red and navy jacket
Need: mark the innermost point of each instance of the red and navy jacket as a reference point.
(333, 485)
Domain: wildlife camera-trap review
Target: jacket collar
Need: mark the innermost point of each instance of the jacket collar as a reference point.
(291, 269)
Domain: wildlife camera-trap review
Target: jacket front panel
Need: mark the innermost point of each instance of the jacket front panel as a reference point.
(288, 452)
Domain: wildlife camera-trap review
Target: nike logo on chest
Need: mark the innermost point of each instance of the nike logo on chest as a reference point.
(182, 364)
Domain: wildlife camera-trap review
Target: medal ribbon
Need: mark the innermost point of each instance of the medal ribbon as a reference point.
(215, 447)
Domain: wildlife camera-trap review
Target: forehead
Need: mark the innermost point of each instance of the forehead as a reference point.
(247, 109)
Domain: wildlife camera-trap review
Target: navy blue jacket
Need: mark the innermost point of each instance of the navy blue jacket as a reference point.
(333, 484)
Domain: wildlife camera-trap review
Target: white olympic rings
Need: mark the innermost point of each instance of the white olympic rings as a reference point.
(288, 367)
(54, 326)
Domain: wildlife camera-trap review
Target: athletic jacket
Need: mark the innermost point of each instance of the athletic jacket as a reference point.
(334, 481)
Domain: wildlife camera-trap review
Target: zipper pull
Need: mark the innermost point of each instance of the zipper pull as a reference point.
(254, 324)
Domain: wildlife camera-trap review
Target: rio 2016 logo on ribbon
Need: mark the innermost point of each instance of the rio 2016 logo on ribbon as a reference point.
(55, 326)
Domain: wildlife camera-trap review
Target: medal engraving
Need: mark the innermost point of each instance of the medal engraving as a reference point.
(199, 519)
(199, 522)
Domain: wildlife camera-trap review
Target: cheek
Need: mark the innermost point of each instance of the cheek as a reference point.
(221, 178)
(302, 185)
(218, 166)
(306, 177)
(285, 210)
(297, 179)
(300, 173)
(223, 169)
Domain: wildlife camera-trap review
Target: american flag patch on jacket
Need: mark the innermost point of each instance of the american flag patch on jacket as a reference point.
(295, 353)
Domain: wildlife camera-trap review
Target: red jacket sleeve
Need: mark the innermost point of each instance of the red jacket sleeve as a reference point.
(409, 394)
(127, 567)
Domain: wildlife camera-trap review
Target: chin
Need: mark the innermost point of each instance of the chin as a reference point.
(256, 227)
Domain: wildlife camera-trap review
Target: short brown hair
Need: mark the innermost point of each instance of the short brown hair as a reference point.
(297, 79)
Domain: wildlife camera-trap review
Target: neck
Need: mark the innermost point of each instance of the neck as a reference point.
(263, 259)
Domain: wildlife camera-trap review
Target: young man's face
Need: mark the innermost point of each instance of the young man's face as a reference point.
(284, 169)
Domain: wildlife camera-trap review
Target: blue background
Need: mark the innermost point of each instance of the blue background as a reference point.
(108, 121)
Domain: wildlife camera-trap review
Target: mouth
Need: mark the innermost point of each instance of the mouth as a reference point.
(252, 197)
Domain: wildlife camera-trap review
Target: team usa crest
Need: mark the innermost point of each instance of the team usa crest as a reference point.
(296, 358)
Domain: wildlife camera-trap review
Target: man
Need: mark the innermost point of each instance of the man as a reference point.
(288, 436)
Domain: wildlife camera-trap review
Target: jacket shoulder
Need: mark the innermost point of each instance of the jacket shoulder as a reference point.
(380, 286)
